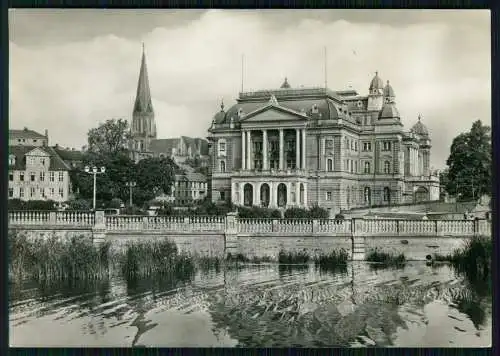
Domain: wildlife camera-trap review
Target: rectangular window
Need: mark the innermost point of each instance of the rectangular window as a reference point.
(367, 146)
(367, 168)
(356, 166)
(42, 176)
(21, 176)
(51, 176)
(328, 195)
(61, 192)
(32, 176)
(356, 146)
(61, 176)
(11, 192)
(386, 146)
(222, 195)
(11, 177)
(52, 192)
(21, 192)
(42, 161)
(32, 192)
(352, 166)
(42, 192)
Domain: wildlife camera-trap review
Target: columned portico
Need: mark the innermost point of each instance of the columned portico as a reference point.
(281, 162)
(243, 150)
(248, 154)
(297, 148)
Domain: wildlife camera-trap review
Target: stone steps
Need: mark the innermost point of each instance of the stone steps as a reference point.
(358, 248)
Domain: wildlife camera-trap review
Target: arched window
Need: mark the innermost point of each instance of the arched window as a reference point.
(368, 195)
(12, 160)
(367, 167)
(329, 165)
(387, 194)
(222, 166)
(222, 147)
(387, 167)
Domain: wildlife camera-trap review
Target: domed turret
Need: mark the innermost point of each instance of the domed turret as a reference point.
(420, 128)
(389, 93)
(389, 111)
(285, 84)
(221, 115)
(376, 85)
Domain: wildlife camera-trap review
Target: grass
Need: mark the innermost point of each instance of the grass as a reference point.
(385, 259)
(240, 258)
(332, 262)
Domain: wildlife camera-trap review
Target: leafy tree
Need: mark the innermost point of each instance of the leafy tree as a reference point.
(80, 204)
(111, 137)
(469, 163)
(153, 177)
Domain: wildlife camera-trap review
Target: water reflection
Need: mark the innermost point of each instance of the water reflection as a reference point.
(260, 305)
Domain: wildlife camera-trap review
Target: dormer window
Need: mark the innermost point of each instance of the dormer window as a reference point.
(314, 109)
(359, 104)
(240, 112)
(12, 160)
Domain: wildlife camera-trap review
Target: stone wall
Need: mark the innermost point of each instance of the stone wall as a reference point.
(414, 248)
(204, 244)
(270, 246)
(62, 233)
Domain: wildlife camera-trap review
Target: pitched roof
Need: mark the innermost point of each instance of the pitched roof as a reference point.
(143, 101)
(56, 162)
(163, 145)
(68, 155)
(191, 177)
(25, 133)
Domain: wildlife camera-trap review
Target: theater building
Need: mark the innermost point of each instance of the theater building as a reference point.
(300, 147)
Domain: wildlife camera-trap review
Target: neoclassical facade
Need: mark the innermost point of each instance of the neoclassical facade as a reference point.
(315, 146)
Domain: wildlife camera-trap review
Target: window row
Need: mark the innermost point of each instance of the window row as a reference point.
(32, 176)
(33, 192)
(352, 166)
(367, 194)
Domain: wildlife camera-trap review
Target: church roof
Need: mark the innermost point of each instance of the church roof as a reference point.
(143, 103)
(285, 84)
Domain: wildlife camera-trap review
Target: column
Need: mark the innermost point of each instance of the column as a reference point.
(256, 194)
(305, 195)
(242, 197)
(297, 193)
(272, 195)
(243, 150)
(297, 148)
(264, 151)
(288, 194)
(303, 147)
(281, 165)
(249, 151)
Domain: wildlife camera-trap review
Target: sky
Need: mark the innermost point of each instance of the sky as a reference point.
(73, 69)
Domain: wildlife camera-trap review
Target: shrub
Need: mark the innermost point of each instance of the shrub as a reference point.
(318, 213)
(115, 203)
(257, 212)
(297, 213)
(17, 204)
(334, 258)
(133, 210)
(79, 204)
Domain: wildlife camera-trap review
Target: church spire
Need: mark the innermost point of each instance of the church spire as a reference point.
(143, 101)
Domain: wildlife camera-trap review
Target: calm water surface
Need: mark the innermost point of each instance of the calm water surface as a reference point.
(258, 306)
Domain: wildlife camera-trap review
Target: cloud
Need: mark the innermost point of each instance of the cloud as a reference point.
(440, 69)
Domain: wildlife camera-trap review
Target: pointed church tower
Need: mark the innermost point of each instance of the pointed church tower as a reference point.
(143, 128)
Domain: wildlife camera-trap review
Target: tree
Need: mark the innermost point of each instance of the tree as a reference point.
(469, 163)
(111, 137)
(153, 177)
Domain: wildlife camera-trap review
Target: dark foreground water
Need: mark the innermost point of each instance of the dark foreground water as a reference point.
(258, 306)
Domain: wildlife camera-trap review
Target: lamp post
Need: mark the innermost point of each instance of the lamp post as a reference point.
(94, 171)
(131, 185)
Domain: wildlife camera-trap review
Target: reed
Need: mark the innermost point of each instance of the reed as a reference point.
(54, 259)
(300, 257)
(474, 258)
(331, 261)
(385, 259)
(146, 258)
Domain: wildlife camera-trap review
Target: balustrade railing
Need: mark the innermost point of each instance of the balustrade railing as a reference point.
(293, 226)
(367, 227)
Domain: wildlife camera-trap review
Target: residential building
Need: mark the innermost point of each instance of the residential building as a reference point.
(37, 173)
(27, 137)
(189, 187)
(72, 157)
(298, 147)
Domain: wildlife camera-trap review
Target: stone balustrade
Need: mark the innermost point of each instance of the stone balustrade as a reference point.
(223, 224)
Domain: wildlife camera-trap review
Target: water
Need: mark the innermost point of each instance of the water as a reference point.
(259, 306)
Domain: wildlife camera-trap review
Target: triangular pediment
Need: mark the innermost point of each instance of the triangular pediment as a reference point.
(38, 152)
(273, 113)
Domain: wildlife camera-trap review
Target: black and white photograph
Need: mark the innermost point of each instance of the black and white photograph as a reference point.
(249, 178)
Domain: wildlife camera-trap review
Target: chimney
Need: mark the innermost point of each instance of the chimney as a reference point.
(46, 133)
